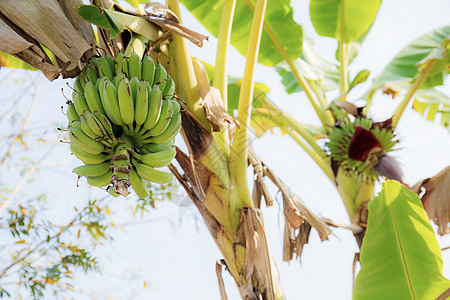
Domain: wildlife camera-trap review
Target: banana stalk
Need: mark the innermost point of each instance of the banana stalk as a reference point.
(234, 223)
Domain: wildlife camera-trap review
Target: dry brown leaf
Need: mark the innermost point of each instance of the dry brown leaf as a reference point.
(293, 202)
(302, 239)
(168, 21)
(212, 99)
(14, 44)
(219, 264)
(215, 110)
(255, 161)
(257, 194)
(288, 242)
(390, 92)
(46, 22)
(154, 7)
(257, 263)
(81, 25)
(348, 107)
(436, 199)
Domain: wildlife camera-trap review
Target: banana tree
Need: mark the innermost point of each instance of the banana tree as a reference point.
(349, 147)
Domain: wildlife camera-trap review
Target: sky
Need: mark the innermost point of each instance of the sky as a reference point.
(171, 249)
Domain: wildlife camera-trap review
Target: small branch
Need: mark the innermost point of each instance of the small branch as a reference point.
(24, 125)
(402, 106)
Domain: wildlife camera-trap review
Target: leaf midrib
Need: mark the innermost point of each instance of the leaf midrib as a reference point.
(400, 245)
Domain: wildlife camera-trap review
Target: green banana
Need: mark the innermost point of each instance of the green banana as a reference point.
(91, 74)
(151, 174)
(138, 184)
(153, 148)
(104, 68)
(76, 124)
(163, 122)
(96, 126)
(111, 102)
(87, 130)
(169, 89)
(134, 85)
(80, 139)
(92, 170)
(160, 77)
(134, 66)
(141, 104)
(92, 97)
(176, 106)
(118, 78)
(80, 102)
(171, 131)
(126, 103)
(100, 181)
(154, 109)
(106, 124)
(89, 158)
(158, 159)
(78, 86)
(121, 64)
(72, 113)
(111, 63)
(148, 69)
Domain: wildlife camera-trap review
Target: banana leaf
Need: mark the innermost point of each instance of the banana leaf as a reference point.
(346, 23)
(400, 256)
(116, 22)
(278, 19)
(9, 61)
(312, 66)
(431, 103)
(407, 63)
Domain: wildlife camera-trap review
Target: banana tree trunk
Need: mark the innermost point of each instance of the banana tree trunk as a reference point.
(243, 242)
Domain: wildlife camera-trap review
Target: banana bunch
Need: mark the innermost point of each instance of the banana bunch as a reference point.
(123, 119)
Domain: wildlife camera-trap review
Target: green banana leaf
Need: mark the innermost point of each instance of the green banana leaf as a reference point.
(279, 18)
(312, 66)
(328, 17)
(400, 256)
(9, 61)
(354, 47)
(430, 103)
(407, 63)
(116, 22)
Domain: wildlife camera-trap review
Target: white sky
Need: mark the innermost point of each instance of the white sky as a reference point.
(173, 250)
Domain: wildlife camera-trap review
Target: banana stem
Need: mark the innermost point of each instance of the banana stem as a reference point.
(299, 78)
(179, 54)
(343, 69)
(402, 106)
(369, 101)
(319, 94)
(220, 72)
(314, 155)
(343, 52)
(238, 155)
(281, 117)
